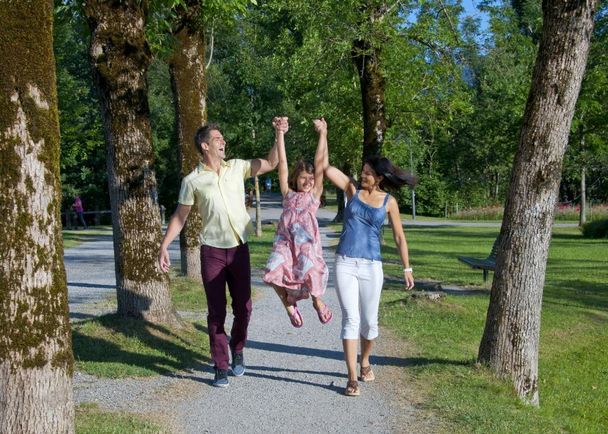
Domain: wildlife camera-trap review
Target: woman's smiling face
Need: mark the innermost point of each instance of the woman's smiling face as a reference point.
(369, 178)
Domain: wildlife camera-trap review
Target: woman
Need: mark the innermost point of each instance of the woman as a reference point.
(359, 275)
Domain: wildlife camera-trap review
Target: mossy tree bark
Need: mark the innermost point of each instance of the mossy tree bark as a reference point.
(189, 83)
(120, 58)
(510, 341)
(366, 57)
(36, 361)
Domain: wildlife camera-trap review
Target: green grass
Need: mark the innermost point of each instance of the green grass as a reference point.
(115, 347)
(72, 238)
(91, 420)
(259, 248)
(187, 294)
(446, 334)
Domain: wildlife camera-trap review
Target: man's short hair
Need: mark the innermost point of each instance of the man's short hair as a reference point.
(203, 134)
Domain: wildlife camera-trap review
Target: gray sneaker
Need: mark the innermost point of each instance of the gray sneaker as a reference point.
(238, 364)
(221, 378)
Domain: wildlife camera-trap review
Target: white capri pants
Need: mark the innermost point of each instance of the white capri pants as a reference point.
(359, 284)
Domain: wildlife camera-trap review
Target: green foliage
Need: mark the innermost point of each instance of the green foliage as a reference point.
(83, 157)
(83, 151)
(588, 144)
(431, 196)
(455, 94)
(479, 163)
(165, 17)
(164, 136)
(596, 229)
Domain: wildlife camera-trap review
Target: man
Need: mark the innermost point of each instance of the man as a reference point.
(218, 186)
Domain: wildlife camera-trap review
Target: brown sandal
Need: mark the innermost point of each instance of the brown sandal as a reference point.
(367, 374)
(352, 388)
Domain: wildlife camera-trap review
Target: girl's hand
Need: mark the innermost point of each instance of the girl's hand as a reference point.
(408, 278)
(320, 125)
(276, 123)
(284, 124)
(280, 124)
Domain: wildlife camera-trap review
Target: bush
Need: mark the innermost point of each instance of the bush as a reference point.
(596, 229)
(431, 196)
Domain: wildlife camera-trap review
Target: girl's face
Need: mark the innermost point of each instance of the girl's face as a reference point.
(369, 179)
(305, 181)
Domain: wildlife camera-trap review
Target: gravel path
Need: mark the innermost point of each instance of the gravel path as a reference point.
(294, 380)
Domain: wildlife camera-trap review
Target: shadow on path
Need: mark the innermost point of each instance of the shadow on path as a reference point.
(284, 379)
(338, 355)
(91, 285)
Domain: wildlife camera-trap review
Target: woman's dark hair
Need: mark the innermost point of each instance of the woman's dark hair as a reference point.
(394, 177)
(203, 134)
(299, 167)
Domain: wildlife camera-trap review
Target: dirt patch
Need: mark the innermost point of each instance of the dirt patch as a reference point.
(165, 399)
(405, 390)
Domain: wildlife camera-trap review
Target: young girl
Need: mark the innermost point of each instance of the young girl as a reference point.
(296, 268)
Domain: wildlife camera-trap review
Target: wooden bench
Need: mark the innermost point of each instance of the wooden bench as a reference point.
(488, 264)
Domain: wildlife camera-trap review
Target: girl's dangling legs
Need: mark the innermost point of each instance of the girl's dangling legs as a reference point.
(292, 310)
(325, 315)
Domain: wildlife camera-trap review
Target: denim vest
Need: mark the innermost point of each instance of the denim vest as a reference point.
(361, 232)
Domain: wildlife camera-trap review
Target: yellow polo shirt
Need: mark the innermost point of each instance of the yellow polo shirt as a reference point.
(221, 202)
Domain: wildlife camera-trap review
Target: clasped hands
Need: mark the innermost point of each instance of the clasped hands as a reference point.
(281, 124)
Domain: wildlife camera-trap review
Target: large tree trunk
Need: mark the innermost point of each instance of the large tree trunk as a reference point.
(366, 57)
(36, 361)
(188, 80)
(511, 337)
(120, 57)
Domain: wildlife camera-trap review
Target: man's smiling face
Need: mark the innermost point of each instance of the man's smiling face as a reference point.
(216, 146)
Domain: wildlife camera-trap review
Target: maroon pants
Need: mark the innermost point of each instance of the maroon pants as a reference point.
(221, 267)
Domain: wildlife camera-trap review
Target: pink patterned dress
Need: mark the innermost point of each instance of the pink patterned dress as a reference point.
(296, 262)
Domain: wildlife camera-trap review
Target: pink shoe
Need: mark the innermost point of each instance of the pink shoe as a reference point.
(325, 315)
(296, 316)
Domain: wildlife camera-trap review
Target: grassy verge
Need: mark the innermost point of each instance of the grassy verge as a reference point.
(187, 294)
(573, 360)
(91, 420)
(114, 347)
(259, 248)
(72, 238)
